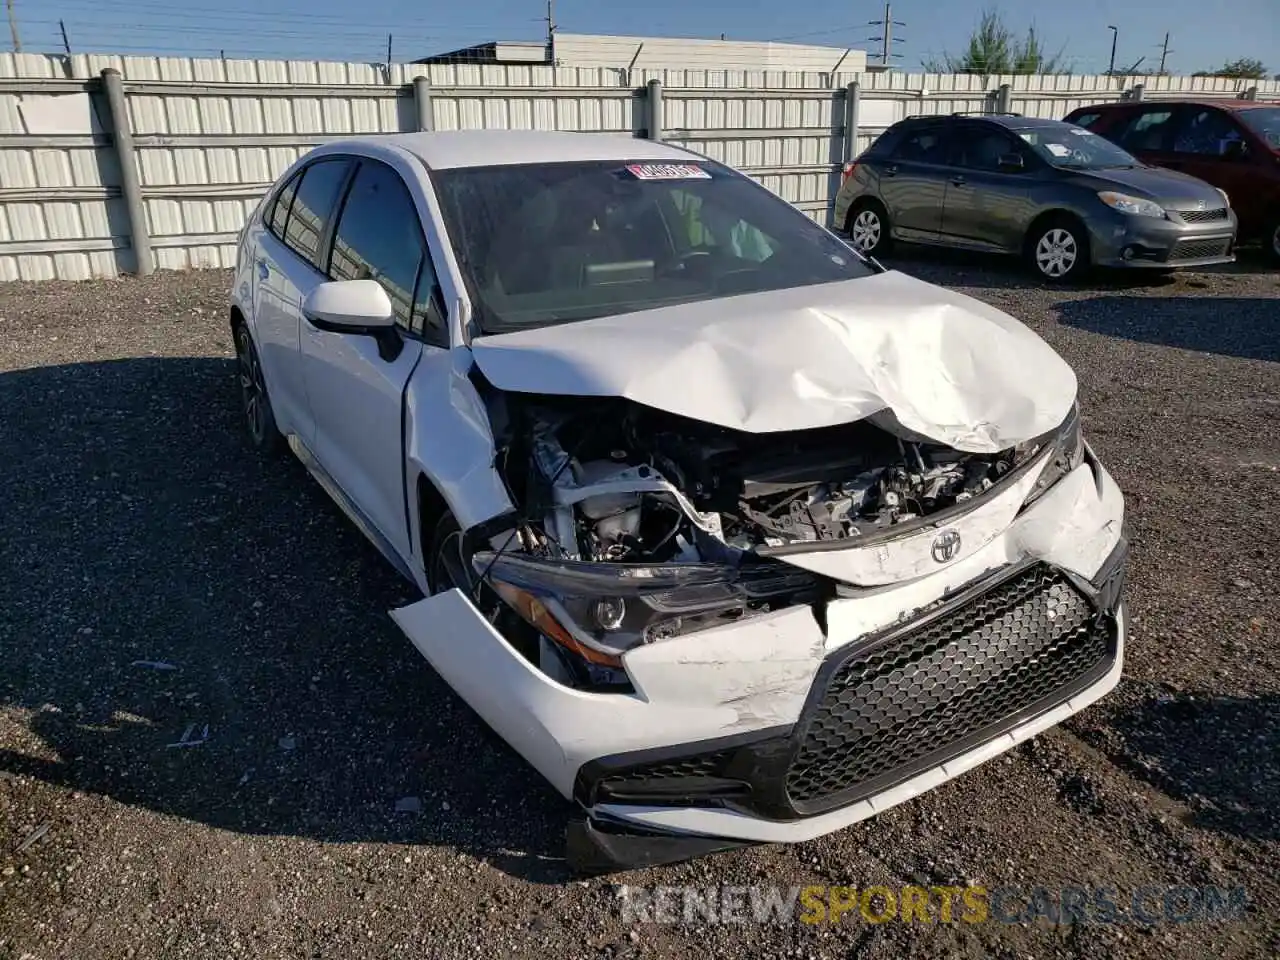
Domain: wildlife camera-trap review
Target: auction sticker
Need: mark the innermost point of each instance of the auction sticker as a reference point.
(667, 171)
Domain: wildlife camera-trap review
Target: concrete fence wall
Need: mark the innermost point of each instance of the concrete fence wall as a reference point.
(201, 140)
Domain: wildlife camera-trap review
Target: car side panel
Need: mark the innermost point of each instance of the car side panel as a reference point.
(282, 280)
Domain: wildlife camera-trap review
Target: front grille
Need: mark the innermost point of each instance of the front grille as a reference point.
(1202, 216)
(920, 696)
(1200, 249)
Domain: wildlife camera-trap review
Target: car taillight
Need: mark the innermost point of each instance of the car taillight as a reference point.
(847, 172)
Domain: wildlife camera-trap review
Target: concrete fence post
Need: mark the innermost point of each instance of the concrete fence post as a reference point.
(122, 137)
(1004, 99)
(422, 100)
(655, 109)
(1251, 93)
(852, 105)
(1139, 91)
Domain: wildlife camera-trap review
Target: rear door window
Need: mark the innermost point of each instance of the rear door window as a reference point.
(278, 216)
(925, 144)
(1149, 131)
(313, 206)
(1086, 119)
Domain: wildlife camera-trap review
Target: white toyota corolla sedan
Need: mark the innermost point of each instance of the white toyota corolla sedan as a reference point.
(735, 536)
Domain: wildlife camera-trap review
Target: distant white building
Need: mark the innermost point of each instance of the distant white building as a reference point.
(662, 53)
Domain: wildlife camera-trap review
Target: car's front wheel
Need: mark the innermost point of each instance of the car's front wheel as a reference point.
(255, 404)
(868, 228)
(1058, 250)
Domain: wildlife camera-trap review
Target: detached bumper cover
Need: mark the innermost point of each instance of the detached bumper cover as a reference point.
(893, 706)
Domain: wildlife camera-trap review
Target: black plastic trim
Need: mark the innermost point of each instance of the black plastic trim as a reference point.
(596, 846)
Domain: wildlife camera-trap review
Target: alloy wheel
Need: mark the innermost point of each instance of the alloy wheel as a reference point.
(866, 231)
(1056, 253)
(253, 389)
(1275, 241)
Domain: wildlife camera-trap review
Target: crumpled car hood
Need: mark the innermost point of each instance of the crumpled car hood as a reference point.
(947, 366)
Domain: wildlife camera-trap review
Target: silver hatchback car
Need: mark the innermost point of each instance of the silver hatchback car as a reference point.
(1061, 197)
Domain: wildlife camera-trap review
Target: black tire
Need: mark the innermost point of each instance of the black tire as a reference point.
(1271, 240)
(255, 402)
(1057, 250)
(868, 227)
(444, 557)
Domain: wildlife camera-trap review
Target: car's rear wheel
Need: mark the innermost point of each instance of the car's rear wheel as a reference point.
(1273, 241)
(868, 227)
(255, 403)
(1058, 249)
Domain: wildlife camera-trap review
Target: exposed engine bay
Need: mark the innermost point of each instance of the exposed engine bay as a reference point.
(618, 482)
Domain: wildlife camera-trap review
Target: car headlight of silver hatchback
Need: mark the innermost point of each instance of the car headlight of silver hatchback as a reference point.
(1135, 206)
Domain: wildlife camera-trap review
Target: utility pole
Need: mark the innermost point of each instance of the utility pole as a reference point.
(886, 38)
(66, 44)
(551, 32)
(1115, 35)
(1164, 52)
(388, 49)
(13, 27)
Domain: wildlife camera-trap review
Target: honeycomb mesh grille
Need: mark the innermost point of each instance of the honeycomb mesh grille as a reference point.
(1203, 216)
(929, 689)
(1200, 249)
(666, 772)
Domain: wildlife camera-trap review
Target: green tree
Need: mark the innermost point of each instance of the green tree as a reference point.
(995, 49)
(1246, 68)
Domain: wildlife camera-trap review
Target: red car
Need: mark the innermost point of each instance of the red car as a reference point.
(1232, 144)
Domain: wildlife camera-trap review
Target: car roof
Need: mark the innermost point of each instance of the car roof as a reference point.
(452, 149)
(1010, 121)
(1231, 105)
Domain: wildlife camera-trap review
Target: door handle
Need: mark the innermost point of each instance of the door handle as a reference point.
(264, 271)
(891, 170)
(959, 181)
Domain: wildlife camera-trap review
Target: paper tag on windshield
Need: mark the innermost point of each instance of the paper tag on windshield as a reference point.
(1058, 150)
(667, 171)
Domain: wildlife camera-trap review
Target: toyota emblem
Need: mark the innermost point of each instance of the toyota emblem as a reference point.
(947, 546)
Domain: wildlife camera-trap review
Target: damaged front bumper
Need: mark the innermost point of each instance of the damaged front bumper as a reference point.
(782, 728)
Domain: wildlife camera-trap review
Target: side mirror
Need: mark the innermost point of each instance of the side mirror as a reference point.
(349, 306)
(1012, 162)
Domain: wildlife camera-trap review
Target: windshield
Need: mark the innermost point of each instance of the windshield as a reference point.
(553, 243)
(1265, 122)
(1074, 148)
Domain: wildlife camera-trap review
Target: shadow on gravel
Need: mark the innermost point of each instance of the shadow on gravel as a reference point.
(1243, 327)
(1220, 754)
(961, 269)
(163, 580)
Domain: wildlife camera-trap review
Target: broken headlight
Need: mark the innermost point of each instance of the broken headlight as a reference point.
(601, 610)
(1067, 454)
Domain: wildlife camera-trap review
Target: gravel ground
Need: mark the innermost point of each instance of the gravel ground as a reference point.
(138, 528)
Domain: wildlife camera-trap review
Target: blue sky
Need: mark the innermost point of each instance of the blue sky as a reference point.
(1202, 36)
